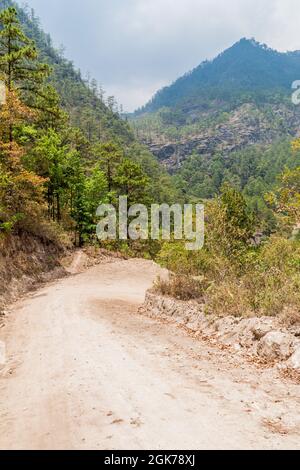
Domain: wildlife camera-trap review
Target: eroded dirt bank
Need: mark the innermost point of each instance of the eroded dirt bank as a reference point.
(25, 261)
(85, 371)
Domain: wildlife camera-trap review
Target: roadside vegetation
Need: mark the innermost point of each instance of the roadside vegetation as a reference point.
(63, 148)
(240, 272)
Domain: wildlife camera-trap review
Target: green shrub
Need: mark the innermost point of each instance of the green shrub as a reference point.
(232, 275)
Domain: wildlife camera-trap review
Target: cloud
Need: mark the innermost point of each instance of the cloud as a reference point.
(133, 47)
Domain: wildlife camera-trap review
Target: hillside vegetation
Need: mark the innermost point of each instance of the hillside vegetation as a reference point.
(63, 148)
(230, 120)
(227, 131)
(240, 272)
(247, 71)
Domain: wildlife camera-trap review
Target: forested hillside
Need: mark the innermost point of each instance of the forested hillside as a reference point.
(64, 149)
(254, 171)
(230, 120)
(241, 98)
(82, 98)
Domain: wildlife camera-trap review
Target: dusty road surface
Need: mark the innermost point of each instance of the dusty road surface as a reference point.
(85, 371)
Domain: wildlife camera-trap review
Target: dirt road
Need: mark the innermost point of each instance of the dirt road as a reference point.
(85, 371)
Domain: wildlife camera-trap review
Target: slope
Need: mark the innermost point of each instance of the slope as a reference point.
(82, 99)
(246, 70)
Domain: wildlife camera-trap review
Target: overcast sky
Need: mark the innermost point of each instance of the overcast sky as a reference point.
(134, 47)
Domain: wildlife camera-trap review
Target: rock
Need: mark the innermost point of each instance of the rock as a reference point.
(259, 336)
(294, 360)
(226, 330)
(186, 313)
(295, 330)
(245, 332)
(238, 132)
(276, 345)
(262, 327)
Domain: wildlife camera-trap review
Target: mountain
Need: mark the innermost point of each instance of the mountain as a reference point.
(241, 98)
(247, 67)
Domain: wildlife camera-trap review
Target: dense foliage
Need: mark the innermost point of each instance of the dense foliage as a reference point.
(63, 150)
(254, 171)
(236, 273)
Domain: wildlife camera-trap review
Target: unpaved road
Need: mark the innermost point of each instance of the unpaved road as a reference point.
(86, 371)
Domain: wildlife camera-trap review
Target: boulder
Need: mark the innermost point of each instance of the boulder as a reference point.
(294, 360)
(246, 332)
(276, 345)
(261, 327)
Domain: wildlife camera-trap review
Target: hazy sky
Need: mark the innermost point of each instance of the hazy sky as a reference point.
(133, 47)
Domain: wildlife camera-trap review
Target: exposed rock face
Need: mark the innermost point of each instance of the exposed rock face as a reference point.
(26, 260)
(246, 126)
(277, 345)
(264, 336)
(294, 361)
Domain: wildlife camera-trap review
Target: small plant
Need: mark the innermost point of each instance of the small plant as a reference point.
(231, 275)
(181, 287)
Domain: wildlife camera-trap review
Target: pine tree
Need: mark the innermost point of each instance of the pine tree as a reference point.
(132, 182)
(21, 190)
(19, 66)
(21, 70)
(109, 156)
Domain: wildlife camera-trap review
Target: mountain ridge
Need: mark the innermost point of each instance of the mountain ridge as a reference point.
(229, 120)
(247, 65)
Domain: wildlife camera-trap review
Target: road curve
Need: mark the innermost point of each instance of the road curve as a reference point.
(85, 371)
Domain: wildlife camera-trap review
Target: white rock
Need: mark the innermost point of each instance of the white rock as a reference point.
(294, 360)
(276, 345)
(261, 327)
(262, 336)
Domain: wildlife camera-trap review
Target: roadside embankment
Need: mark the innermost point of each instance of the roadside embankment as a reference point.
(265, 338)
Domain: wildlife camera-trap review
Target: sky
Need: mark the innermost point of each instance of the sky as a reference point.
(134, 47)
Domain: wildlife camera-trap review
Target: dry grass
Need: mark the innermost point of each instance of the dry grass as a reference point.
(181, 287)
(262, 281)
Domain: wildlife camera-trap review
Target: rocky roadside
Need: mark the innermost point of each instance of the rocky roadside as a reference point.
(265, 338)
